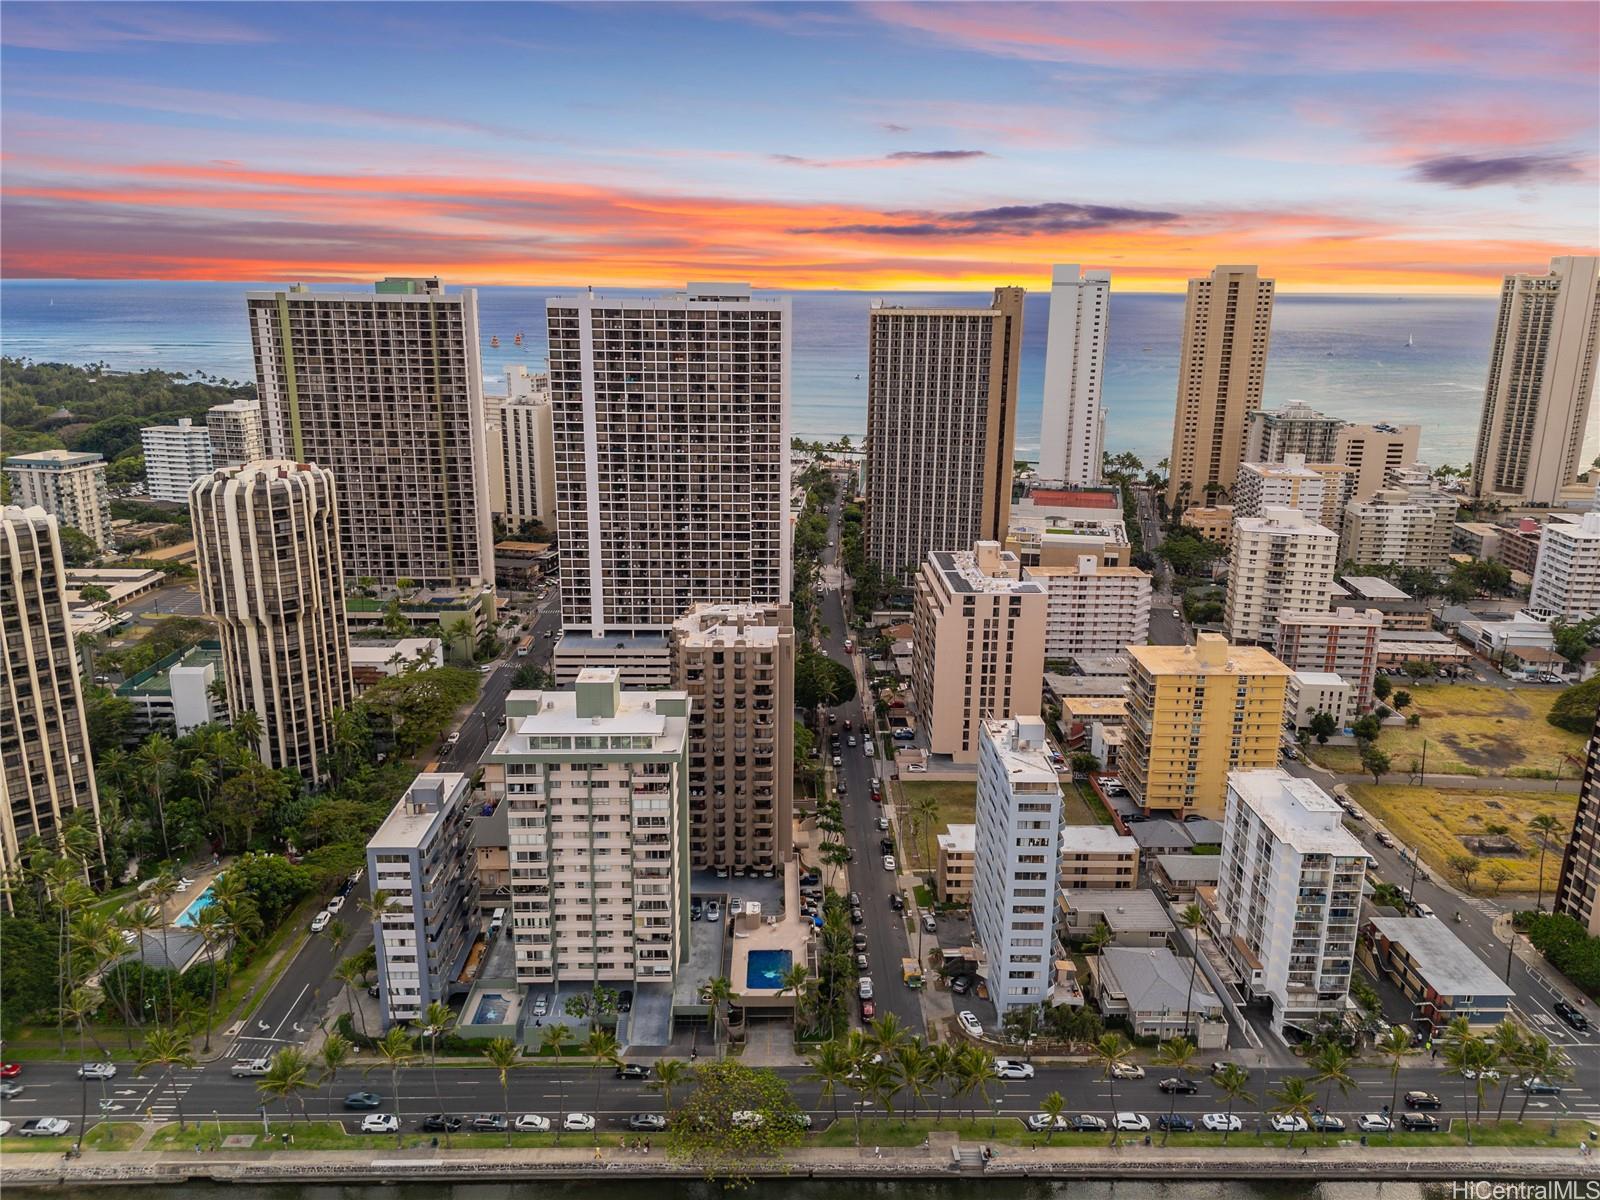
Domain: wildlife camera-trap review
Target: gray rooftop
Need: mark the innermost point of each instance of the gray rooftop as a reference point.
(1191, 868)
(1123, 909)
(1443, 959)
(1370, 587)
(1086, 685)
(1154, 980)
(1160, 835)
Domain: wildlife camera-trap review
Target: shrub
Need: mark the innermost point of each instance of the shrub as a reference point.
(1568, 948)
(1574, 710)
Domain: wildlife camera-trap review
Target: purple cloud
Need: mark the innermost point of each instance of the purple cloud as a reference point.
(887, 160)
(936, 155)
(1011, 219)
(1465, 171)
(891, 127)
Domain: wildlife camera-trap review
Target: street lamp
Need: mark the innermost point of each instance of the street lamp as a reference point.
(218, 1120)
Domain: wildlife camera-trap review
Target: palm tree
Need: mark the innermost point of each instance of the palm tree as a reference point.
(1177, 1053)
(248, 731)
(1099, 939)
(502, 1054)
(670, 1073)
(215, 931)
(1544, 826)
(1330, 1066)
(976, 1071)
(794, 980)
(1508, 1043)
(163, 889)
(154, 759)
(82, 1004)
(336, 1053)
(166, 1048)
(1111, 1051)
(602, 1047)
(397, 1053)
(1294, 1099)
(720, 993)
(350, 975)
(1192, 920)
(434, 1019)
(881, 1081)
(924, 814)
(142, 918)
(911, 1060)
(1234, 1083)
(1396, 1047)
(287, 1077)
(857, 1052)
(1052, 1106)
(1539, 1059)
(831, 1067)
(941, 1070)
(887, 1034)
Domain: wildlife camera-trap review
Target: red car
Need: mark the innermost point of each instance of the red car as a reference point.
(868, 1010)
(10, 1070)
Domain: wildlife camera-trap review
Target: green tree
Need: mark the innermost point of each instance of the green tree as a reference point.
(1323, 726)
(1375, 762)
(703, 1132)
(1109, 1053)
(831, 1067)
(1539, 1059)
(720, 995)
(671, 1073)
(1330, 1067)
(288, 1077)
(503, 1054)
(335, 1055)
(1463, 867)
(1234, 1083)
(1176, 1053)
(397, 1054)
(1295, 1098)
(601, 1046)
(1544, 827)
(166, 1048)
(1574, 708)
(1402, 699)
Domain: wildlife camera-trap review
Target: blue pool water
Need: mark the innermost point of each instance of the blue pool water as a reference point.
(492, 1010)
(767, 968)
(200, 903)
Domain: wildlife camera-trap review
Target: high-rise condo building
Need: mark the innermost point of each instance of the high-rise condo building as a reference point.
(174, 457)
(46, 770)
(1091, 609)
(527, 449)
(1342, 642)
(70, 485)
(596, 783)
(267, 546)
(1578, 892)
(421, 860)
(236, 434)
(1272, 434)
(1566, 581)
(1372, 451)
(1288, 897)
(1281, 562)
(1016, 860)
(1286, 484)
(1194, 714)
(385, 390)
(977, 645)
(671, 426)
(1222, 363)
(736, 664)
(1405, 527)
(1536, 402)
(1072, 432)
(941, 429)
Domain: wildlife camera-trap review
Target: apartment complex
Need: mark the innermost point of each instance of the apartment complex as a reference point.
(1403, 527)
(267, 544)
(1541, 383)
(1016, 856)
(420, 859)
(46, 771)
(236, 433)
(671, 427)
(596, 783)
(736, 664)
(1566, 581)
(385, 390)
(1227, 325)
(527, 453)
(1372, 451)
(1097, 857)
(1194, 714)
(1288, 897)
(1286, 484)
(941, 428)
(1578, 892)
(1343, 641)
(1091, 609)
(1272, 434)
(957, 863)
(69, 485)
(1213, 522)
(174, 457)
(1072, 431)
(977, 645)
(1281, 562)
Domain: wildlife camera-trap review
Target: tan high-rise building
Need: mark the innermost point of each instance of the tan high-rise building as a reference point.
(267, 548)
(236, 434)
(70, 485)
(46, 770)
(1194, 714)
(1342, 642)
(526, 453)
(1281, 561)
(1372, 451)
(385, 390)
(941, 429)
(1272, 434)
(977, 645)
(1093, 609)
(1406, 527)
(1537, 400)
(1222, 363)
(736, 664)
(596, 783)
(1578, 892)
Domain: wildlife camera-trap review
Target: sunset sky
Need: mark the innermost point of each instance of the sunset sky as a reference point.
(1350, 147)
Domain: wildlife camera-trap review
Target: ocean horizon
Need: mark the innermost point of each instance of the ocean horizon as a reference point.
(1405, 358)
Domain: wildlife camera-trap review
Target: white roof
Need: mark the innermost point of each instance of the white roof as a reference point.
(1319, 679)
(1298, 812)
(1095, 839)
(959, 839)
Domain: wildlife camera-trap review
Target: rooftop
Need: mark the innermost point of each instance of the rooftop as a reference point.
(1102, 664)
(1210, 655)
(959, 839)
(1020, 742)
(1298, 812)
(425, 805)
(1062, 686)
(1095, 839)
(1343, 615)
(54, 458)
(1085, 708)
(1319, 679)
(1445, 962)
(984, 569)
(1075, 498)
(1191, 868)
(1153, 980)
(156, 679)
(727, 624)
(1125, 910)
(1370, 587)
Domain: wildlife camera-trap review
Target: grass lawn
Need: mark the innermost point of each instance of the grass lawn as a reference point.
(956, 803)
(1471, 731)
(1436, 819)
(330, 1135)
(109, 1135)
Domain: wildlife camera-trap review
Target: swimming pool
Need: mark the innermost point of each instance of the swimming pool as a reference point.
(767, 968)
(492, 1009)
(197, 906)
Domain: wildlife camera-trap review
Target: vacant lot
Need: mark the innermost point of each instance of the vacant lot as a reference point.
(1437, 820)
(1473, 731)
(954, 804)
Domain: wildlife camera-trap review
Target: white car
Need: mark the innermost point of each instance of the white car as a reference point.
(1010, 1068)
(1127, 1071)
(888, 862)
(533, 1123)
(248, 1067)
(320, 921)
(1132, 1122)
(1288, 1123)
(1374, 1123)
(969, 1023)
(735, 907)
(578, 1123)
(713, 910)
(864, 987)
(380, 1123)
(1221, 1123)
(98, 1070)
(883, 822)
(5, 1128)
(44, 1127)
(335, 904)
(1039, 1122)
(1487, 1073)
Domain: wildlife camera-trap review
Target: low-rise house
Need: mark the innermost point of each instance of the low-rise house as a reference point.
(1399, 608)
(1313, 692)
(1097, 857)
(1159, 995)
(1106, 742)
(1178, 877)
(1436, 971)
(1079, 712)
(957, 859)
(373, 660)
(1134, 916)
(1399, 647)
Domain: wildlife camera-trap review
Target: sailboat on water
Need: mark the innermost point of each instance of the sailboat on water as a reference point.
(1410, 341)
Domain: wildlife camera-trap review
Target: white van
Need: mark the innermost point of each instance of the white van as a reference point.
(497, 921)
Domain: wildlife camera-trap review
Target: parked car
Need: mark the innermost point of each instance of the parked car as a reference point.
(929, 925)
(861, 963)
(864, 987)
(541, 1004)
(336, 904)
(1010, 1068)
(1288, 1123)
(883, 822)
(1088, 1123)
(532, 1123)
(961, 984)
(857, 917)
(897, 902)
(489, 1122)
(1374, 1123)
(736, 905)
(380, 1123)
(44, 1127)
(1176, 1122)
(247, 1067)
(888, 862)
(868, 1010)
(1221, 1123)
(1416, 1122)
(1132, 1122)
(10, 1070)
(647, 1122)
(859, 941)
(696, 909)
(363, 1100)
(886, 846)
(713, 910)
(1383, 839)
(625, 1000)
(1326, 1123)
(320, 921)
(1039, 1122)
(1181, 1087)
(1422, 1100)
(577, 1123)
(969, 1023)
(633, 1071)
(1127, 1071)
(97, 1070)
(854, 899)
(1569, 1013)
(441, 1123)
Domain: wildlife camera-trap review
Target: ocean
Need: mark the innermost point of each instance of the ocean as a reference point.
(1346, 355)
